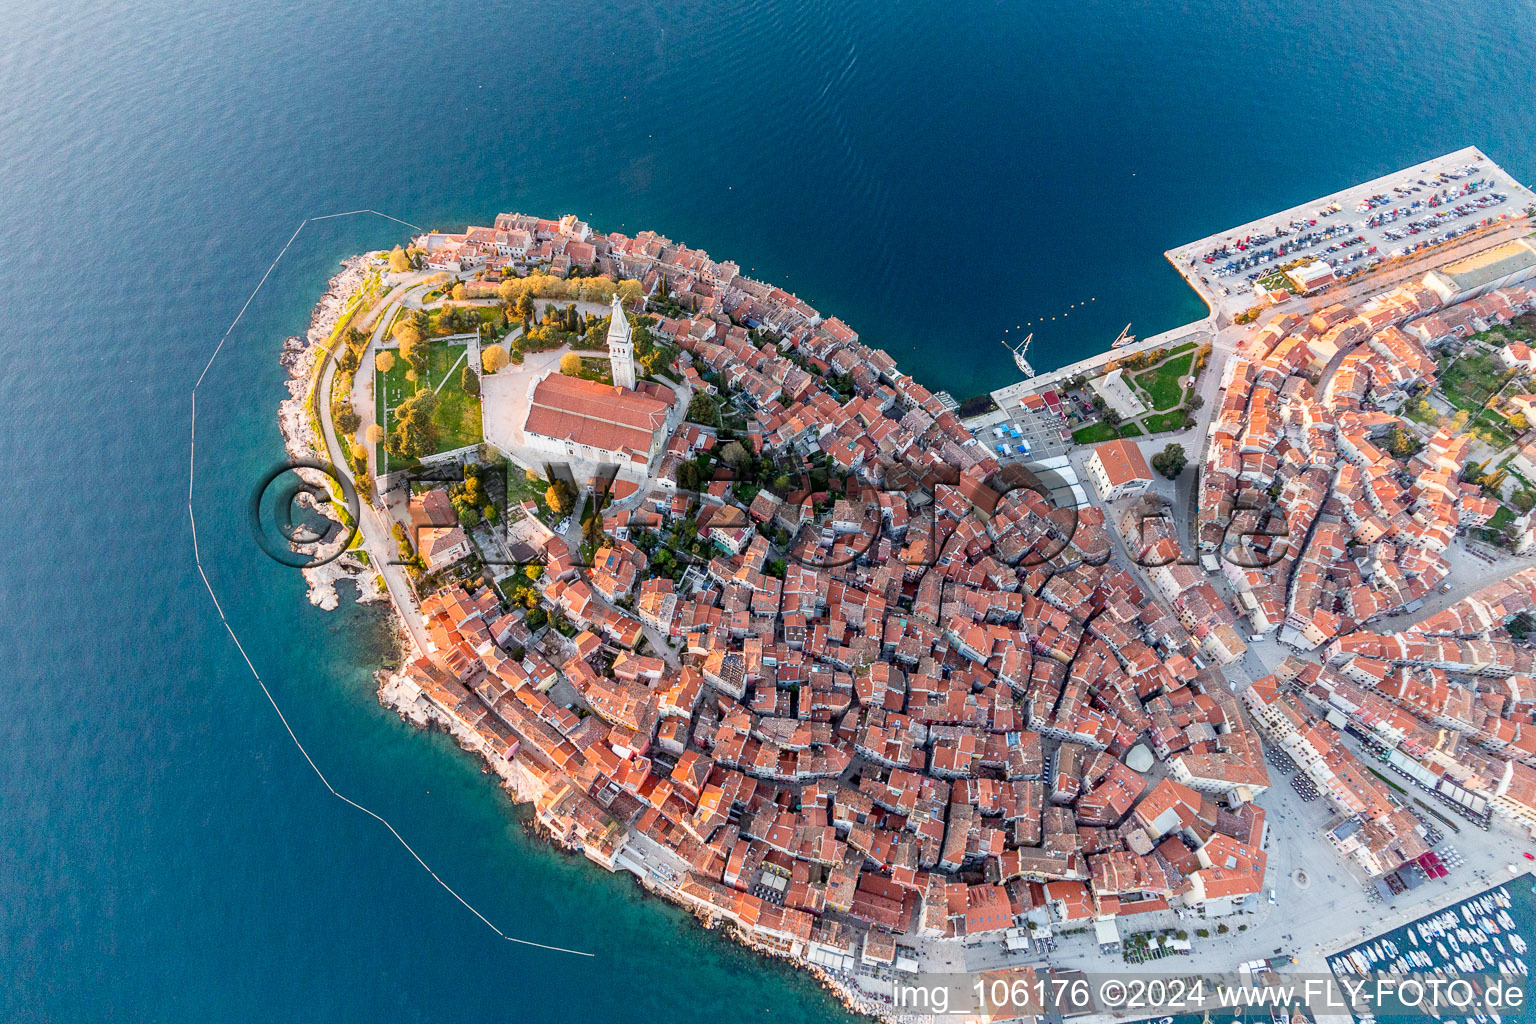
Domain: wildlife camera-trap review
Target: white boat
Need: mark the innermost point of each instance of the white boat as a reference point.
(1517, 941)
(1413, 936)
(1444, 953)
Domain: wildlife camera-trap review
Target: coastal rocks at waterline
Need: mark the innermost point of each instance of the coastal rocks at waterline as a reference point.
(322, 582)
(298, 357)
(299, 354)
(399, 694)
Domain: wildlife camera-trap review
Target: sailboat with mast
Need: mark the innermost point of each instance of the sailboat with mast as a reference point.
(1019, 355)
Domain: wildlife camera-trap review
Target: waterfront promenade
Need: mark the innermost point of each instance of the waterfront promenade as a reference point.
(1200, 332)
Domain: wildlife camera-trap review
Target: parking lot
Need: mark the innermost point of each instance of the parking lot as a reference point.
(1355, 229)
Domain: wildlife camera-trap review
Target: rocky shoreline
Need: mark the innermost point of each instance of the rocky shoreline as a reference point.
(298, 356)
(399, 695)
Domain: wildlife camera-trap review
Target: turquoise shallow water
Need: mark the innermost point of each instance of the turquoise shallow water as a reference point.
(933, 173)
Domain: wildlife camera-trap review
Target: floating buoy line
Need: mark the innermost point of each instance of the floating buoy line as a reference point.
(219, 608)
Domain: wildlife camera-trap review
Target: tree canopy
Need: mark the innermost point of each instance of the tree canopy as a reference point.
(570, 364)
(415, 434)
(493, 358)
(346, 419)
(406, 332)
(538, 285)
(702, 409)
(561, 497)
(1171, 460)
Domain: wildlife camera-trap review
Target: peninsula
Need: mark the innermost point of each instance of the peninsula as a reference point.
(1132, 660)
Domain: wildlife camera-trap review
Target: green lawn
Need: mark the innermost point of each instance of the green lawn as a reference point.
(1496, 426)
(1162, 383)
(1521, 329)
(597, 368)
(1130, 430)
(1427, 415)
(1164, 421)
(1469, 381)
(458, 414)
(1094, 433)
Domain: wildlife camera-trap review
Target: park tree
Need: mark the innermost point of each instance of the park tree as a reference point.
(560, 497)
(374, 433)
(1112, 417)
(469, 380)
(399, 262)
(570, 364)
(346, 419)
(460, 292)
(384, 361)
(1519, 423)
(1171, 460)
(414, 351)
(525, 307)
(407, 331)
(415, 433)
(493, 358)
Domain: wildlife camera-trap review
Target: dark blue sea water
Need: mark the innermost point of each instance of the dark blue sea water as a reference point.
(932, 172)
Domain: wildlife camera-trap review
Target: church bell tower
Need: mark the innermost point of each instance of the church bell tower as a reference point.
(621, 348)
